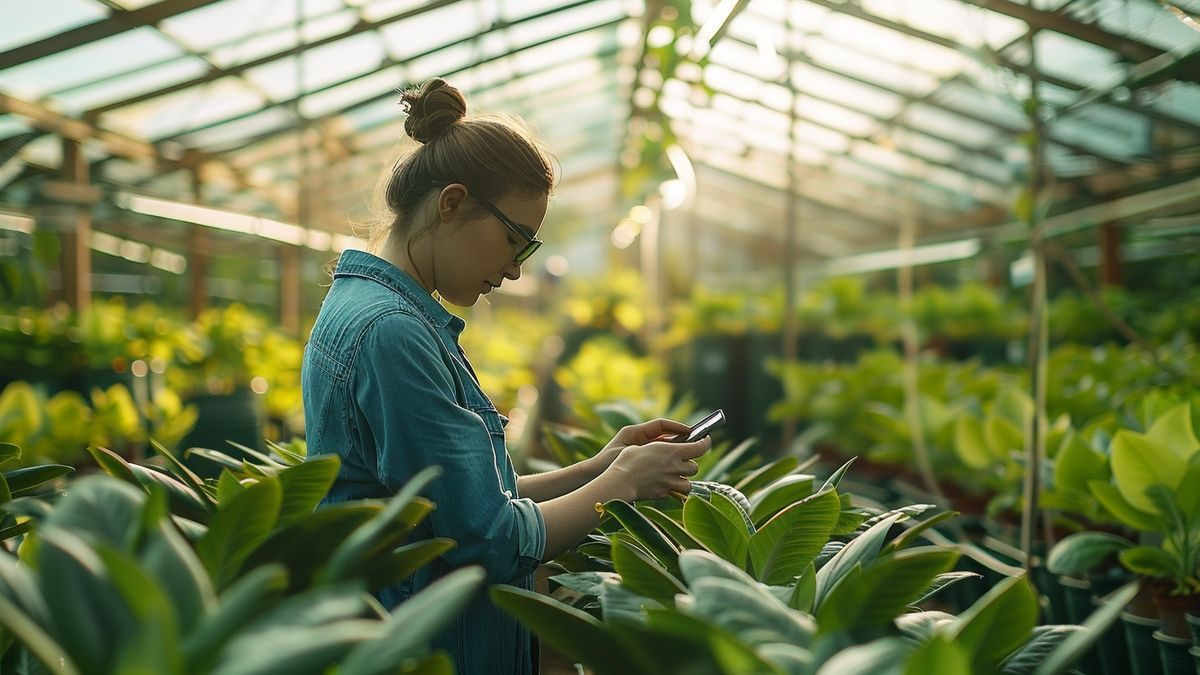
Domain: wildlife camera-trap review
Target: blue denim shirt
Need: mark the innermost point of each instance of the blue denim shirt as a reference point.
(388, 389)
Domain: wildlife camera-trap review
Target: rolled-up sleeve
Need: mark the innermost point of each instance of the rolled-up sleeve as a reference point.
(406, 395)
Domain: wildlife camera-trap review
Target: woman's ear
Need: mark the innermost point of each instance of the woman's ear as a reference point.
(450, 201)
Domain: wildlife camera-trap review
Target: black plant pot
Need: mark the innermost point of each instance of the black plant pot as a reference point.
(1143, 649)
(1076, 596)
(1193, 624)
(1112, 652)
(1173, 653)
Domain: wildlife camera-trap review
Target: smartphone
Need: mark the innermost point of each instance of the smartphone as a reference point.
(702, 428)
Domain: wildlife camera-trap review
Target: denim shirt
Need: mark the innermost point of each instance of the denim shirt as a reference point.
(388, 389)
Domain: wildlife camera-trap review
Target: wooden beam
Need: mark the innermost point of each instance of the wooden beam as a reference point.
(75, 233)
(1112, 270)
(119, 21)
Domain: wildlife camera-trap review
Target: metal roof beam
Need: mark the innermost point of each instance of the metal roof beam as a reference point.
(997, 56)
(360, 27)
(116, 23)
(1129, 48)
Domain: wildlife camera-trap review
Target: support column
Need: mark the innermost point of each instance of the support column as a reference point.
(199, 254)
(1112, 267)
(73, 220)
(289, 288)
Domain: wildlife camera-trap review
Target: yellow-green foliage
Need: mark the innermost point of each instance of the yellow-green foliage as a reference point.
(604, 370)
(60, 427)
(505, 348)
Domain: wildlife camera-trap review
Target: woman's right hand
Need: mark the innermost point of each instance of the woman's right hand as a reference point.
(655, 470)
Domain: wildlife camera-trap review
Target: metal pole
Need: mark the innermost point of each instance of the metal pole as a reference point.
(791, 207)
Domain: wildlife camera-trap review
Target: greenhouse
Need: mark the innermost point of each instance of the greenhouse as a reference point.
(805, 337)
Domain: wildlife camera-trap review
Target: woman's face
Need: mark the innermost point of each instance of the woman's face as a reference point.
(474, 250)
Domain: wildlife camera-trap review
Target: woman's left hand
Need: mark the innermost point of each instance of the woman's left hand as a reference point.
(637, 434)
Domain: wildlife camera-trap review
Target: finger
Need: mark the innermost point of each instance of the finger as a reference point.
(693, 450)
(681, 485)
(657, 428)
(690, 468)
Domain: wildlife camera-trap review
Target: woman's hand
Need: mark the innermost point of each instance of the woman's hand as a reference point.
(636, 434)
(656, 469)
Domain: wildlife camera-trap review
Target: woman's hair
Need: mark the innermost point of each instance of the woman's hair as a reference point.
(493, 155)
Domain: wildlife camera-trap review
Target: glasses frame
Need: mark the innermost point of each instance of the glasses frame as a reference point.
(532, 243)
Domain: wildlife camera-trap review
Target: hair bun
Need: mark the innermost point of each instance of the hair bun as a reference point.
(432, 108)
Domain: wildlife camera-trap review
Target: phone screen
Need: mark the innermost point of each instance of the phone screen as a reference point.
(702, 428)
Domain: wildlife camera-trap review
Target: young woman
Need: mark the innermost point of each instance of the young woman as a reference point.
(388, 389)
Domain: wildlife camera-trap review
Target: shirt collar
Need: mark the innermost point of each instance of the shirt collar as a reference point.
(362, 264)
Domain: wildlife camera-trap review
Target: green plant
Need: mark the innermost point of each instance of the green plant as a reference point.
(604, 370)
(674, 598)
(107, 584)
(22, 491)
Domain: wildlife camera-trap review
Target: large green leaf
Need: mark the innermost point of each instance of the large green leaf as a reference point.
(675, 642)
(415, 623)
(1151, 561)
(789, 541)
(1173, 431)
(184, 500)
(1110, 498)
(883, 589)
(970, 444)
(779, 495)
(1045, 640)
(939, 655)
(835, 478)
(1081, 552)
(304, 486)
(646, 533)
(184, 474)
(168, 558)
(1139, 463)
(88, 614)
(695, 565)
(571, 632)
(767, 474)
(245, 599)
(100, 507)
(998, 623)
(356, 548)
(748, 611)
(804, 593)
(305, 546)
(114, 465)
(1069, 651)
(943, 581)
(151, 643)
(239, 527)
(49, 653)
(860, 551)
(886, 656)
(385, 570)
(1078, 463)
(25, 481)
(671, 527)
(912, 534)
(643, 575)
(715, 530)
(9, 452)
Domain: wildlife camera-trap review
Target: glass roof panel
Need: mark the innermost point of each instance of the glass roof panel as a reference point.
(1181, 99)
(234, 134)
(175, 113)
(892, 47)
(131, 84)
(327, 64)
(11, 125)
(836, 117)
(578, 46)
(745, 58)
(1001, 110)
(279, 40)
(28, 21)
(865, 66)
(563, 22)
(922, 116)
(1077, 61)
(871, 100)
(443, 62)
(381, 83)
(133, 4)
(235, 20)
(1147, 22)
(74, 67)
(375, 10)
(276, 79)
(967, 25)
(431, 29)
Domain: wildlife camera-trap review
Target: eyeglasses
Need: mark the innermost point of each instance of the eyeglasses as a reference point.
(531, 243)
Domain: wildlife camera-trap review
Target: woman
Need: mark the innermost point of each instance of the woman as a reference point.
(388, 389)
